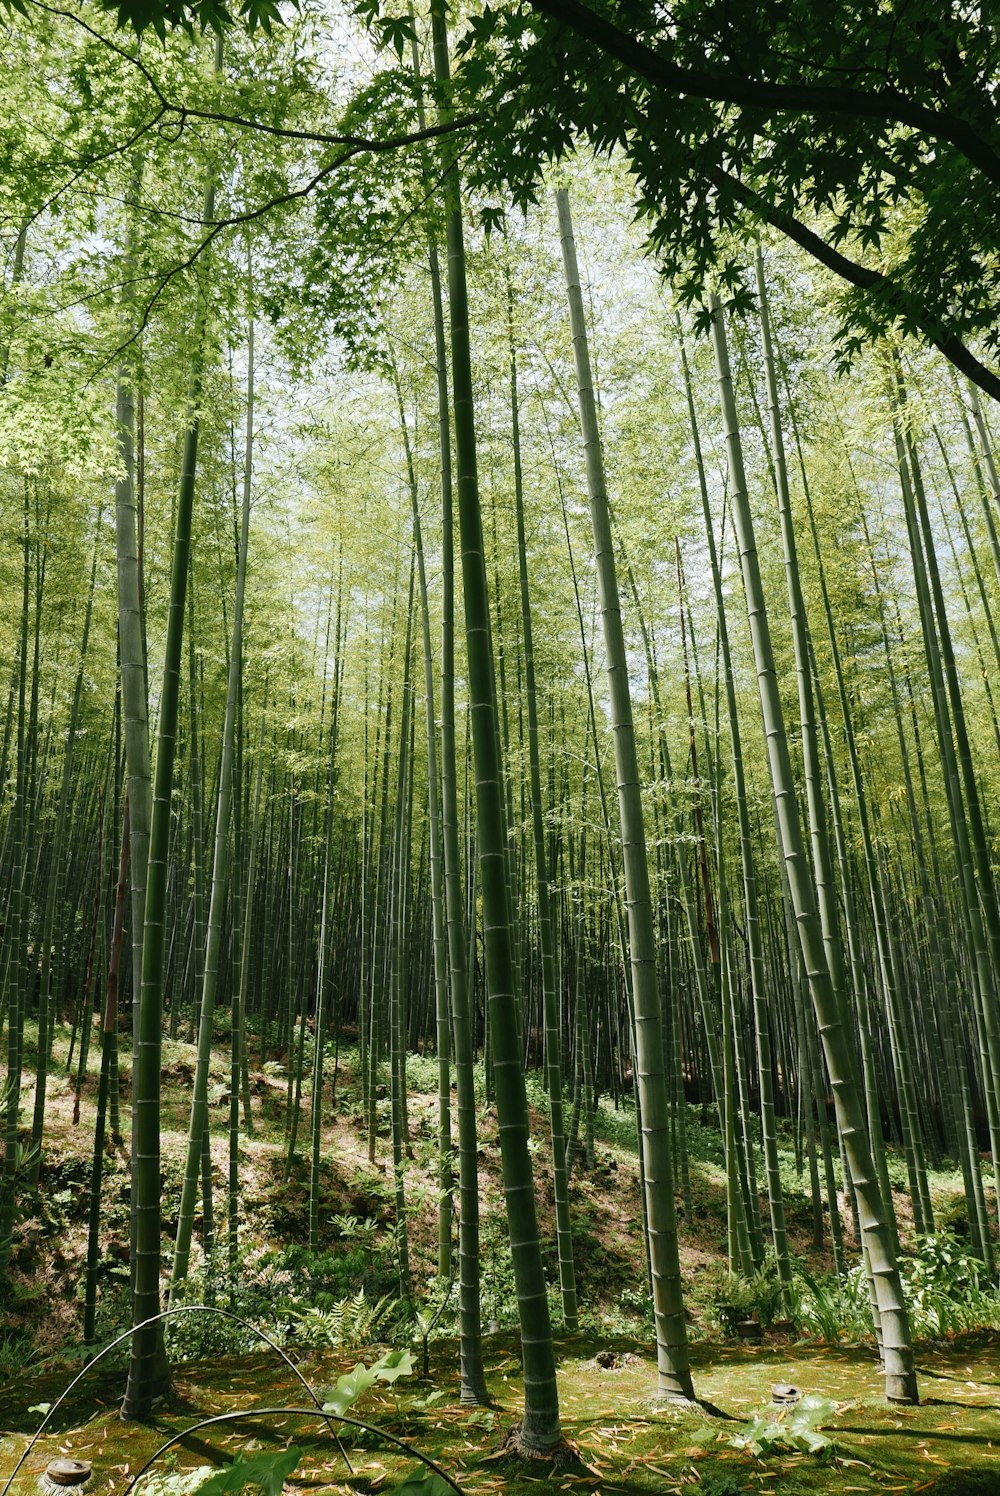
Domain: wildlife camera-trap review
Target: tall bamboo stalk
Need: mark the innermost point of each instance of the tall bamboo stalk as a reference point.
(900, 1377)
(674, 1375)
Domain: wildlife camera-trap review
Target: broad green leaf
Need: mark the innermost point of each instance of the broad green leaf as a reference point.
(423, 1482)
(349, 1388)
(268, 1471)
(395, 1364)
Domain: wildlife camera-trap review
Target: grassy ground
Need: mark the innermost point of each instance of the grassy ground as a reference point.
(624, 1441)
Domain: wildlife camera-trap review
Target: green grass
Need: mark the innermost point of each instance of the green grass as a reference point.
(625, 1442)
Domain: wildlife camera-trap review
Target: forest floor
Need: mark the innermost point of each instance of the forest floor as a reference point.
(948, 1446)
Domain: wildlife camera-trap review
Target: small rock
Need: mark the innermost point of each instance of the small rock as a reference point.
(749, 1330)
(67, 1472)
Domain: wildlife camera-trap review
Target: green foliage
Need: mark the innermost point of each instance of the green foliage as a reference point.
(798, 1430)
(393, 1365)
(347, 1322)
(365, 1230)
(18, 1353)
(484, 1418)
(266, 1471)
(422, 1073)
(835, 1308)
(354, 1384)
(319, 1299)
(711, 1484)
(324, 1277)
(424, 1403)
(161, 16)
(174, 1482)
(615, 1126)
(948, 1289)
(423, 1482)
(392, 32)
(497, 1293)
(22, 1200)
(730, 1297)
(944, 1263)
(349, 1388)
(711, 163)
(720, 1292)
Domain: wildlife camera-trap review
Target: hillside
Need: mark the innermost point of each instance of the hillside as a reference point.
(339, 1304)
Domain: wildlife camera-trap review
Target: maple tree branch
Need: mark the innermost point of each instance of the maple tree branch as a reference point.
(887, 105)
(866, 279)
(184, 112)
(88, 163)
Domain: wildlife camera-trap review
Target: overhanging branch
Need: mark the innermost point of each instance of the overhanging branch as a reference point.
(951, 346)
(886, 105)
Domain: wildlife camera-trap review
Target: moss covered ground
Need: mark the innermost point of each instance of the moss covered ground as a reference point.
(948, 1446)
(624, 1441)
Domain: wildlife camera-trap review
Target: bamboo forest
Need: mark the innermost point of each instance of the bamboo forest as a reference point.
(499, 747)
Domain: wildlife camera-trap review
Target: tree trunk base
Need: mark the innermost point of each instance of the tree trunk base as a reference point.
(563, 1455)
(675, 1388)
(139, 1403)
(675, 1400)
(134, 1411)
(902, 1388)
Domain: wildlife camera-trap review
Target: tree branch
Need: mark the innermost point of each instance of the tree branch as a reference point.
(251, 216)
(90, 162)
(951, 346)
(310, 137)
(887, 105)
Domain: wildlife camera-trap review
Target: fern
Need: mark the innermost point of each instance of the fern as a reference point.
(349, 1322)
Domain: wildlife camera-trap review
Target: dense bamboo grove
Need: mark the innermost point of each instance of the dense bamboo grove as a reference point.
(423, 633)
